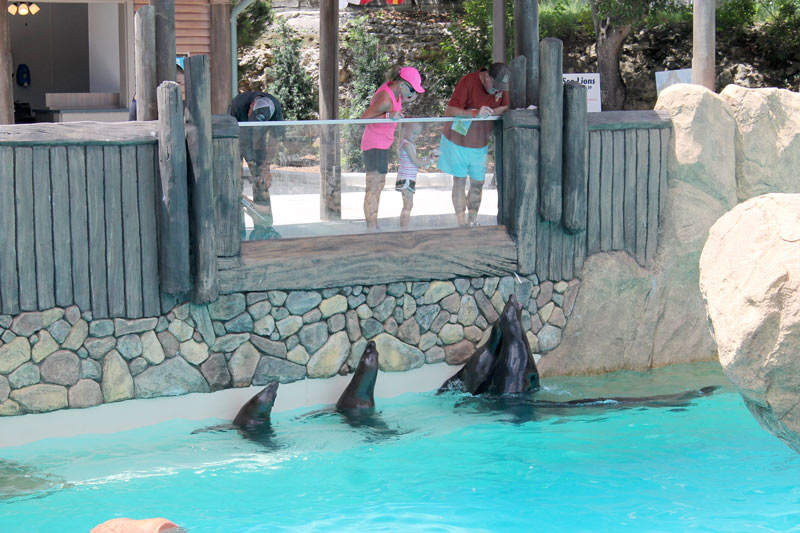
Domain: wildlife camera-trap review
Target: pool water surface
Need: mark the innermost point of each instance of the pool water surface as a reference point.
(433, 463)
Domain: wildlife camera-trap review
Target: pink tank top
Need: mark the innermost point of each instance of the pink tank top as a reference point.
(381, 135)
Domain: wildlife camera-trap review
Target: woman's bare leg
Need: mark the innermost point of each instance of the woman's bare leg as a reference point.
(372, 198)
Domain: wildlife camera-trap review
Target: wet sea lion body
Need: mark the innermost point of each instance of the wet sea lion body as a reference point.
(255, 414)
(360, 392)
(515, 370)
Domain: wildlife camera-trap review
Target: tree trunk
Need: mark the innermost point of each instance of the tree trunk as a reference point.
(6, 72)
(609, 45)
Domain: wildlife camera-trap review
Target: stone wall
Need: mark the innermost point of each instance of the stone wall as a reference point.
(63, 358)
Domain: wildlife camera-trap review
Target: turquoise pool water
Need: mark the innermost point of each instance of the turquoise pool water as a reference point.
(444, 464)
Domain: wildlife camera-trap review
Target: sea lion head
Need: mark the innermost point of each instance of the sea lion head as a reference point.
(258, 408)
(369, 359)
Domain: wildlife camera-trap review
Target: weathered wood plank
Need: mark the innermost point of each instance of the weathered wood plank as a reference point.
(521, 118)
(144, 23)
(43, 228)
(629, 207)
(618, 192)
(654, 172)
(523, 196)
(543, 249)
(224, 127)
(95, 202)
(551, 111)
(526, 43)
(173, 211)
(629, 120)
(518, 87)
(164, 14)
(666, 135)
(79, 223)
(499, 163)
(506, 185)
(556, 251)
(115, 256)
(26, 257)
(322, 262)
(203, 236)
(79, 133)
(606, 187)
(568, 255)
(576, 138)
(642, 161)
(227, 195)
(132, 244)
(8, 234)
(593, 195)
(147, 178)
(62, 240)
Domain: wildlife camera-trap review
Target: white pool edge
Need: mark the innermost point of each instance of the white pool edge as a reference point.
(132, 414)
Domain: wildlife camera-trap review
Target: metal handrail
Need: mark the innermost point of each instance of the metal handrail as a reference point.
(357, 121)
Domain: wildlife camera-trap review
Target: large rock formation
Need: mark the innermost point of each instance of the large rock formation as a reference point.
(627, 317)
(767, 139)
(750, 279)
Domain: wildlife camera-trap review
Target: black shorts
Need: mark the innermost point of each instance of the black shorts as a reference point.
(376, 160)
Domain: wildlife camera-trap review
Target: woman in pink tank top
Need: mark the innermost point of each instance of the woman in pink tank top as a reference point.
(387, 102)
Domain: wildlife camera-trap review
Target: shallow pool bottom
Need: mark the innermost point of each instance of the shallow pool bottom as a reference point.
(441, 463)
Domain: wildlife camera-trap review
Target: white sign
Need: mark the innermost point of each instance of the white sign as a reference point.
(665, 78)
(590, 80)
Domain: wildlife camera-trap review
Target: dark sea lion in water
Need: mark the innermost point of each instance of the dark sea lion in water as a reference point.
(515, 370)
(257, 410)
(475, 375)
(360, 392)
(679, 399)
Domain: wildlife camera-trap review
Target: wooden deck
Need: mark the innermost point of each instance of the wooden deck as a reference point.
(315, 263)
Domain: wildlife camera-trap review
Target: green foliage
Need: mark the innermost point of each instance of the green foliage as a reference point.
(735, 14)
(564, 18)
(253, 21)
(290, 83)
(781, 39)
(370, 65)
(469, 47)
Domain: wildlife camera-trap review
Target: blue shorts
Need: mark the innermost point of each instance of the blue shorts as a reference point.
(462, 162)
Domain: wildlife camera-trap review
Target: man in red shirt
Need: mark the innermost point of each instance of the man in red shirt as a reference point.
(464, 145)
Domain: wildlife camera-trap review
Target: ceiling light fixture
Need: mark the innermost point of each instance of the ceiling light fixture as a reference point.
(23, 8)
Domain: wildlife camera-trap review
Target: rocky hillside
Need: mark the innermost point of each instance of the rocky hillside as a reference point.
(407, 33)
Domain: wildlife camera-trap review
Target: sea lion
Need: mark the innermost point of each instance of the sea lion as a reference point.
(475, 375)
(359, 393)
(515, 370)
(679, 399)
(255, 414)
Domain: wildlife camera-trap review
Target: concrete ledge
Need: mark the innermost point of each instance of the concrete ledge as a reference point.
(132, 414)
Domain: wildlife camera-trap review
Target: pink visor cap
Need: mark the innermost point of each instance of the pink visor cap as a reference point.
(411, 75)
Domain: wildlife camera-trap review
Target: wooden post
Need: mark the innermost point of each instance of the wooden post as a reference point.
(173, 210)
(703, 37)
(144, 50)
(166, 69)
(499, 31)
(6, 66)
(519, 82)
(220, 57)
(526, 173)
(551, 112)
(526, 42)
(227, 185)
(330, 194)
(576, 134)
(201, 180)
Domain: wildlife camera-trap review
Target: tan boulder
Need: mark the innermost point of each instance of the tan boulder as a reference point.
(767, 139)
(750, 279)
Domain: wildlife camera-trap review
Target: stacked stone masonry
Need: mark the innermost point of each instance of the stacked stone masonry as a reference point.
(61, 358)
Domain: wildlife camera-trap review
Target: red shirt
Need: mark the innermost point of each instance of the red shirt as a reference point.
(471, 94)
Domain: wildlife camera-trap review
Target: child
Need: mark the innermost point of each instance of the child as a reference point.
(408, 163)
